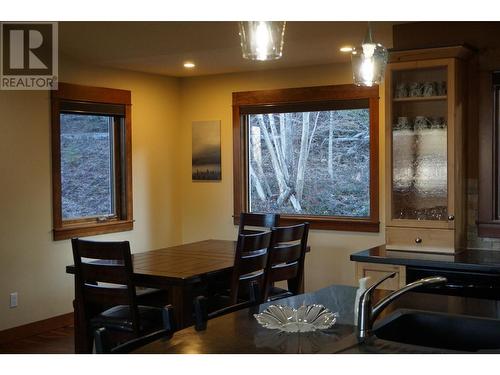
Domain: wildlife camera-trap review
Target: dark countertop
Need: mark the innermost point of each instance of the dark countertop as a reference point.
(240, 333)
(486, 261)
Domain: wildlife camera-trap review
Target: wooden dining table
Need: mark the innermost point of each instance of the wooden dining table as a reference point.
(181, 270)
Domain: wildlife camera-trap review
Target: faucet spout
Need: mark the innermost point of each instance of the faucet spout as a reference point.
(377, 309)
(368, 314)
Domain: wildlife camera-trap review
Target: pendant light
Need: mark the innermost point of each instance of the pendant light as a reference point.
(262, 40)
(368, 61)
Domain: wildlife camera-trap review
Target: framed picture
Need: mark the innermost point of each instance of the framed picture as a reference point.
(206, 151)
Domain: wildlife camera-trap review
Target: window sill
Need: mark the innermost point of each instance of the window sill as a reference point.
(316, 222)
(91, 229)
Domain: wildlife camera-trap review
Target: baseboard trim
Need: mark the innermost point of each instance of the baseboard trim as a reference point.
(35, 328)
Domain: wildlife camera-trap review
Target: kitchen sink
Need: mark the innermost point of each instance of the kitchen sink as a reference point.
(440, 330)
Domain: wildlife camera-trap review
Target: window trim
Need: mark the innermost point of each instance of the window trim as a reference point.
(123, 162)
(245, 102)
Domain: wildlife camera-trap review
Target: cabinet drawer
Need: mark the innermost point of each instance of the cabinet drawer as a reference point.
(376, 271)
(420, 239)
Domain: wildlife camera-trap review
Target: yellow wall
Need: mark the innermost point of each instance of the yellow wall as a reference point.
(31, 263)
(207, 207)
(168, 207)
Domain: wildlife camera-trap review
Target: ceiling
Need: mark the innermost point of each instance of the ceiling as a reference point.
(163, 47)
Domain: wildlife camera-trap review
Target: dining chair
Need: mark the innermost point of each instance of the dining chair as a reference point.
(258, 222)
(285, 261)
(247, 280)
(103, 344)
(250, 223)
(104, 278)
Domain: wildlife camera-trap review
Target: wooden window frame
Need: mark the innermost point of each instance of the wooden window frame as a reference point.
(246, 102)
(94, 96)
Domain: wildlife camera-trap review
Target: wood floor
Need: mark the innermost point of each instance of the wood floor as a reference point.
(57, 341)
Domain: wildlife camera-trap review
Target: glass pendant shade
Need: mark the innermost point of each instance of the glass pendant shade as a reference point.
(369, 62)
(262, 40)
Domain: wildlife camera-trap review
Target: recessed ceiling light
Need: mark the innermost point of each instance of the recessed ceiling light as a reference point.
(189, 65)
(346, 49)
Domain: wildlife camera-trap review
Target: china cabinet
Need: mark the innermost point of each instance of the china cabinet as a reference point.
(424, 139)
(425, 179)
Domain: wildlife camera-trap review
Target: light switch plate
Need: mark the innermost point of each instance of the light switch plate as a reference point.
(13, 300)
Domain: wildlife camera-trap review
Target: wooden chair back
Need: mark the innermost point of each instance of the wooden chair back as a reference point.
(258, 222)
(286, 257)
(249, 263)
(104, 276)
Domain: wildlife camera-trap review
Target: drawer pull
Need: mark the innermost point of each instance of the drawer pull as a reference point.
(451, 217)
(418, 240)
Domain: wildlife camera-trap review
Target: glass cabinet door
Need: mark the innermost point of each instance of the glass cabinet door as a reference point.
(419, 144)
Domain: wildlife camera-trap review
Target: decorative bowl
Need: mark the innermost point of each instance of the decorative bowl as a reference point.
(304, 319)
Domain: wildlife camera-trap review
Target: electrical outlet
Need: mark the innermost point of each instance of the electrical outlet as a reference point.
(13, 300)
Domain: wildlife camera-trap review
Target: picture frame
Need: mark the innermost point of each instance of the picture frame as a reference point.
(206, 151)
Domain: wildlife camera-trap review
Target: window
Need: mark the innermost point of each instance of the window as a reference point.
(308, 154)
(91, 161)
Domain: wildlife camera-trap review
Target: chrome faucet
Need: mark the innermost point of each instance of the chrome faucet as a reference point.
(368, 314)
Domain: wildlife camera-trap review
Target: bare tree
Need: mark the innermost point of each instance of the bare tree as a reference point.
(258, 186)
(305, 148)
(330, 146)
(258, 175)
(278, 147)
(278, 137)
(272, 152)
(280, 170)
(283, 148)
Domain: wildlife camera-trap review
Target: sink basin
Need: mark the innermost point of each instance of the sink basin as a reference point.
(440, 330)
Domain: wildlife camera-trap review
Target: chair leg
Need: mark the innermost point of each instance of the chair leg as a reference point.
(295, 286)
(200, 313)
(101, 341)
(254, 293)
(168, 318)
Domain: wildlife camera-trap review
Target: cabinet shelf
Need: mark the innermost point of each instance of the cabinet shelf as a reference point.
(420, 98)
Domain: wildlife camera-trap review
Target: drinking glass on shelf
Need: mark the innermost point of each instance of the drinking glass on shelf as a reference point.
(437, 122)
(415, 89)
(428, 89)
(401, 90)
(441, 88)
(421, 122)
(403, 122)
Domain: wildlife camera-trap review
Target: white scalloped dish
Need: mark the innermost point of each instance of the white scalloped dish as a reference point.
(304, 319)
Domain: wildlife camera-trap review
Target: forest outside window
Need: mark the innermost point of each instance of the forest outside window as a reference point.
(91, 163)
(308, 154)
